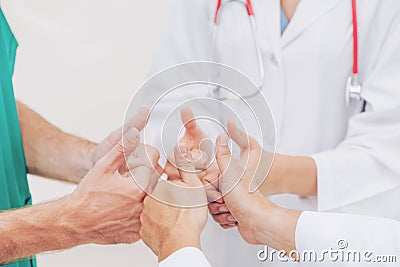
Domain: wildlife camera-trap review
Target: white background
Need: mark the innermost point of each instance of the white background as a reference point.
(79, 62)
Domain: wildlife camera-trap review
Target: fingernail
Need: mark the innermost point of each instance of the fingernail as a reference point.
(223, 141)
(231, 219)
(132, 134)
(223, 209)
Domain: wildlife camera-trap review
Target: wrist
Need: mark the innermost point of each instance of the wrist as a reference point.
(276, 181)
(75, 221)
(67, 221)
(276, 227)
(81, 161)
(86, 161)
(177, 240)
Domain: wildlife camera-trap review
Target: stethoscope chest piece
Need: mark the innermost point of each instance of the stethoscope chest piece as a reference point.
(353, 90)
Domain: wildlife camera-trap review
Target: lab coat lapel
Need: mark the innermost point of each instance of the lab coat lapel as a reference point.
(307, 13)
(268, 20)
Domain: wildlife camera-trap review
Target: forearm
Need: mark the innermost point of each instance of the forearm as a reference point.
(292, 175)
(51, 153)
(29, 231)
(276, 227)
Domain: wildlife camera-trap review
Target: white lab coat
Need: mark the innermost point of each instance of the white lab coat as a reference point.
(184, 257)
(374, 240)
(352, 240)
(306, 72)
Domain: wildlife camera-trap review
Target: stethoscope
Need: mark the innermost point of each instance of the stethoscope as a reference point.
(353, 86)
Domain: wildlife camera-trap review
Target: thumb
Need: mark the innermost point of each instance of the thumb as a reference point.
(138, 121)
(188, 120)
(223, 154)
(185, 165)
(116, 157)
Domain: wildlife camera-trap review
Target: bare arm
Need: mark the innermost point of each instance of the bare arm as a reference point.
(293, 175)
(88, 214)
(49, 151)
(32, 230)
(52, 153)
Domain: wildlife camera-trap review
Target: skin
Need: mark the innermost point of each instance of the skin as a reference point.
(289, 7)
(195, 140)
(52, 153)
(88, 214)
(167, 228)
(289, 174)
(259, 221)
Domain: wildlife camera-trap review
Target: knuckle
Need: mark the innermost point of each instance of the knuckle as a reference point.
(120, 148)
(217, 219)
(134, 135)
(223, 218)
(212, 209)
(226, 153)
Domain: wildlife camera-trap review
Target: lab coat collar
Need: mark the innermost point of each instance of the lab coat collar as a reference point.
(267, 14)
(307, 13)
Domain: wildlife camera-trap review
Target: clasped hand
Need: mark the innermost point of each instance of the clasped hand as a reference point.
(225, 184)
(114, 209)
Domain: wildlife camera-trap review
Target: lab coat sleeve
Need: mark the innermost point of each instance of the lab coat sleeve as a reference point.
(372, 237)
(364, 169)
(186, 257)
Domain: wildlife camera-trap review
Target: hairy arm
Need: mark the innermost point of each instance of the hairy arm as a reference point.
(50, 152)
(32, 230)
(88, 214)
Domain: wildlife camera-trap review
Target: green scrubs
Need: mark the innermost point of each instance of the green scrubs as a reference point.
(14, 191)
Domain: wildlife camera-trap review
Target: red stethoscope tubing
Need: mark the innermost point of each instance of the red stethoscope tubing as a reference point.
(355, 37)
(250, 12)
(249, 7)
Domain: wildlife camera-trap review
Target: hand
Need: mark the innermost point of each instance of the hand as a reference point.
(138, 121)
(217, 206)
(243, 206)
(106, 206)
(196, 141)
(167, 228)
(259, 220)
